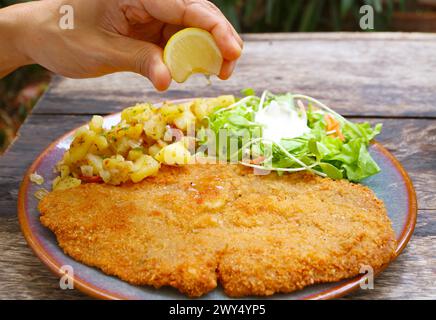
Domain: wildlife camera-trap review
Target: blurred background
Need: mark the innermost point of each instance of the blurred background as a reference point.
(20, 90)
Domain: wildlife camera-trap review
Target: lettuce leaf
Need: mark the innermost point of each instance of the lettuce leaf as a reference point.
(346, 158)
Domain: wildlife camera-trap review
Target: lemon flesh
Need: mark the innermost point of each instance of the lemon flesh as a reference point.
(190, 51)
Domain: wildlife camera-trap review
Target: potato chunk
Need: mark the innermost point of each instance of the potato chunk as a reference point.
(81, 144)
(155, 127)
(96, 124)
(184, 121)
(174, 154)
(144, 166)
(65, 183)
(118, 168)
(137, 114)
(171, 111)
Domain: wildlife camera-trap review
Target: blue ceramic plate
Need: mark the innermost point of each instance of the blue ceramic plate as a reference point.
(392, 185)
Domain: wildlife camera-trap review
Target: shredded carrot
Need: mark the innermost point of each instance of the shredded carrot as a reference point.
(257, 160)
(333, 125)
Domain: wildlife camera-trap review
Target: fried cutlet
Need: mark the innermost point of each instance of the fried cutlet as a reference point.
(191, 227)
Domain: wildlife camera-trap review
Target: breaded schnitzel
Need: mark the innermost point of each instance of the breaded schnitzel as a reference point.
(193, 226)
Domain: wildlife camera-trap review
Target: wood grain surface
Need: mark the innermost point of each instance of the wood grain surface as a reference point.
(387, 78)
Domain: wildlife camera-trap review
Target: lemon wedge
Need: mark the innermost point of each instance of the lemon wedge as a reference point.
(190, 51)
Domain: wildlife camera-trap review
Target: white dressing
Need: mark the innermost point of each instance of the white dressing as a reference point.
(281, 120)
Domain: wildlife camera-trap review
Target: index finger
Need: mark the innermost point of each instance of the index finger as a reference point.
(200, 14)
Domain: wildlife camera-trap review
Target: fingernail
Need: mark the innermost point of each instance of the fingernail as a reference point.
(160, 77)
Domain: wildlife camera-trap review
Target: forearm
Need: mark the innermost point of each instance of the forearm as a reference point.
(14, 20)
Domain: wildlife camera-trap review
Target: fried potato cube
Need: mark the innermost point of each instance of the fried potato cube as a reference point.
(200, 108)
(122, 146)
(224, 101)
(100, 145)
(96, 124)
(135, 154)
(135, 131)
(95, 161)
(171, 111)
(137, 114)
(65, 183)
(36, 178)
(105, 175)
(117, 132)
(173, 154)
(155, 127)
(81, 144)
(219, 102)
(118, 168)
(64, 170)
(101, 142)
(65, 159)
(154, 149)
(203, 107)
(144, 166)
(184, 121)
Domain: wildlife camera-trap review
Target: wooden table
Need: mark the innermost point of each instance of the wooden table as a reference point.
(389, 78)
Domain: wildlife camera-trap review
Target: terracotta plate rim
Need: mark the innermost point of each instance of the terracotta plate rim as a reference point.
(91, 290)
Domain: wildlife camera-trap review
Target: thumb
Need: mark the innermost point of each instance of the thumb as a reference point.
(146, 59)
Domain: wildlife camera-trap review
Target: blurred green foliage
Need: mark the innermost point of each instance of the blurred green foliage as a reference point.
(4, 3)
(18, 93)
(306, 15)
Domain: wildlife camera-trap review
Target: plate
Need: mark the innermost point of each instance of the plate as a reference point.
(392, 185)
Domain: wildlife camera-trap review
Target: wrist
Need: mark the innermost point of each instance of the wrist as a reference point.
(13, 21)
(31, 19)
(22, 30)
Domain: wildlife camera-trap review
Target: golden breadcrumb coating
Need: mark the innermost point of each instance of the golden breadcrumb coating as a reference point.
(191, 227)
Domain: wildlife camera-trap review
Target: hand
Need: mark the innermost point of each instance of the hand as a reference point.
(117, 35)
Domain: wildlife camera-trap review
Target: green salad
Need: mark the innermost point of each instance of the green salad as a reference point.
(290, 133)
